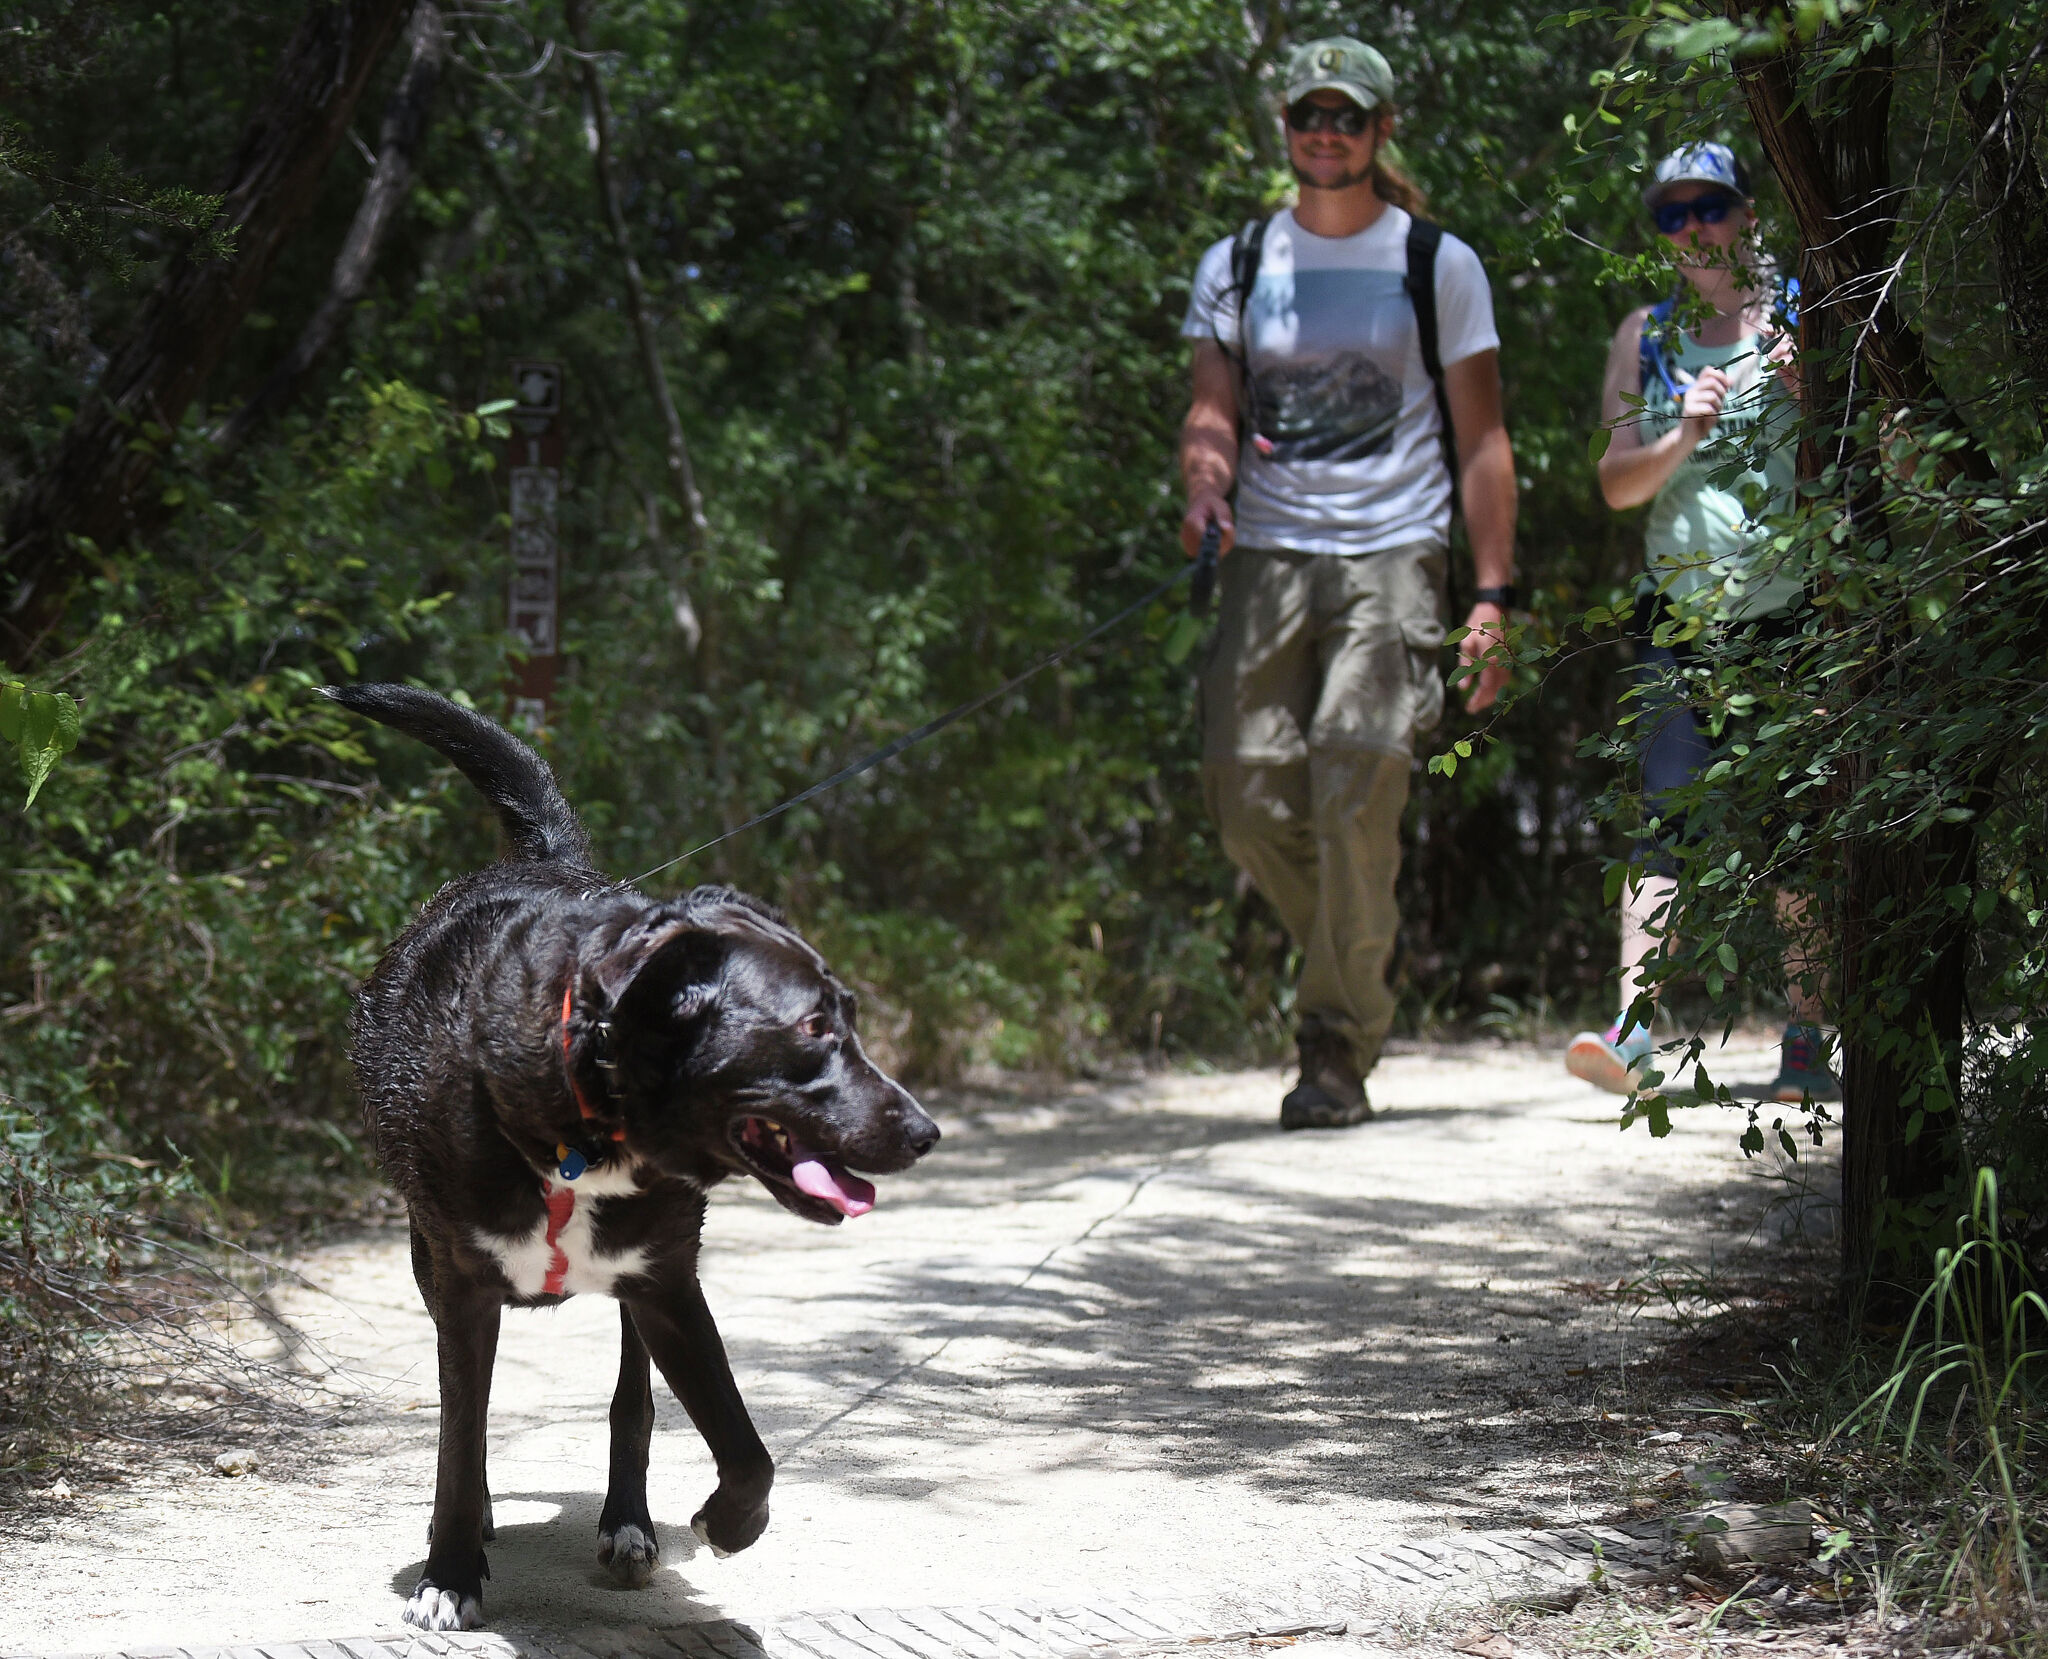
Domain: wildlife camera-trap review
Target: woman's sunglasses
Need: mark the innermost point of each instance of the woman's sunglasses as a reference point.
(1673, 217)
(1346, 119)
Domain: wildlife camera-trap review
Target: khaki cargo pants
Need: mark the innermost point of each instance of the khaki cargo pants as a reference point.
(1323, 671)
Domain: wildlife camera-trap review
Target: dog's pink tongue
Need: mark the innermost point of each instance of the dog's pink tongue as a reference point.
(845, 1192)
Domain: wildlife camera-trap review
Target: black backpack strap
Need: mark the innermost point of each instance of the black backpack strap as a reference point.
(1247, 248)
(1424, 238)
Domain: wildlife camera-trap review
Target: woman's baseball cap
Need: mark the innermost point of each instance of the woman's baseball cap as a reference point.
(1338, 63)
(1698, 164)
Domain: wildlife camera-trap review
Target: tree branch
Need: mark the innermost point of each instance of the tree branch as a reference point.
(599, 107)
(2011, 183)
(406, 118)
(93, 483)
(1830, 158)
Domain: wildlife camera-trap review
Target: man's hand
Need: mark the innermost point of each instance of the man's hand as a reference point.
(1208, 448)
(1487, 465)
(1483, 635)
(1204, 506)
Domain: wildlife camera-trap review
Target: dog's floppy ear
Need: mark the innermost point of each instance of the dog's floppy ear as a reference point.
(662, 957)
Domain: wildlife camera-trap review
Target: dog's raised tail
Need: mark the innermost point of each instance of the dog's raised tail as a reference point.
(539, 823)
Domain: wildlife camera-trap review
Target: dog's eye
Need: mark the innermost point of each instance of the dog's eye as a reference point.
(817, 1025)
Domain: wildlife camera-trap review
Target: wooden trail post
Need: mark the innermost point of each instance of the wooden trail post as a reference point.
(535, 452)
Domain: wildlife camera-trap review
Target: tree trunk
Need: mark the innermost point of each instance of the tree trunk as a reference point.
(1826, 135)
(94, 483)
(681, 475)
(406, 118)
(1890, 1024)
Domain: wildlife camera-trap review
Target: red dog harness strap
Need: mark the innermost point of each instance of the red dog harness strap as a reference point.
(561, 1200)
(569, 1065)
(561, 1205)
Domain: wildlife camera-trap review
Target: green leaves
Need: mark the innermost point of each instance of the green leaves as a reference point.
(1182, 637)
(1445, 765)
(41, 725)
(1697, 39)
(1651, 1108)
(94, 205)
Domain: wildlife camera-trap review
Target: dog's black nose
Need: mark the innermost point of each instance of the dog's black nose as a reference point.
(922, 1133)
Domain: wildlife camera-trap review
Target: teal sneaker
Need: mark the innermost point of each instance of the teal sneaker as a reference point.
(1608, 1060)
(1803, 1072)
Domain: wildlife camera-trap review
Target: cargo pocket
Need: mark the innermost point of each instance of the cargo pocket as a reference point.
(1424, 638)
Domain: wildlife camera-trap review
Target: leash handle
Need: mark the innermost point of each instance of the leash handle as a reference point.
(1202, 590)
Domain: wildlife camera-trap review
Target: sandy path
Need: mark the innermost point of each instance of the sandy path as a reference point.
(1117, 1339)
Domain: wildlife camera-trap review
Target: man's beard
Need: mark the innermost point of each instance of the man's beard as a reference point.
(1345, 182)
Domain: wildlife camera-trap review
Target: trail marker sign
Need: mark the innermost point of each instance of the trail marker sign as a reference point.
(535, 481)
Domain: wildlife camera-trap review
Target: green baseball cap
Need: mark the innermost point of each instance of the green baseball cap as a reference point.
(1338, 63)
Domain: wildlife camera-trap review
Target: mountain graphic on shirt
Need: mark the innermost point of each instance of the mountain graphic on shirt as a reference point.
(1340, 406)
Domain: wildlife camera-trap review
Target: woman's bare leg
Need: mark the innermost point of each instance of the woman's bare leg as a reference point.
(1645, 904)
(1806, 964)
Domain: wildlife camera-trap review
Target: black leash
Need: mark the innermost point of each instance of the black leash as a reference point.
(1202, 567)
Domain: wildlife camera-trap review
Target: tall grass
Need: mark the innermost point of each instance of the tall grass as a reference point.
(1958, 1418)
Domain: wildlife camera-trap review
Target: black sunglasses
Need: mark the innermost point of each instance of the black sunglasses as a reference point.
(1673, 217)
(1346, 118)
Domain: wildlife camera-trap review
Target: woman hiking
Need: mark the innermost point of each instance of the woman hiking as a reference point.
(1700, 421)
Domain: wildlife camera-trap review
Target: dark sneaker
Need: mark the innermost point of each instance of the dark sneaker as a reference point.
(1803, 1068)
(1331, 1094)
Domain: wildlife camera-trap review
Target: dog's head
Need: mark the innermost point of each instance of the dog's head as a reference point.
(727, 1042)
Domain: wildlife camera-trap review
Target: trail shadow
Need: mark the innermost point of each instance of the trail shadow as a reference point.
(1287, 1340)
(547, 1572)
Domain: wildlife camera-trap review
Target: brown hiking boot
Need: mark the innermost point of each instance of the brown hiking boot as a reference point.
(1331, 1094)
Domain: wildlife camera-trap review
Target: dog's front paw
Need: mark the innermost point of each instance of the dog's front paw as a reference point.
(629, 1553)
(433, 1608)
(728, 1524)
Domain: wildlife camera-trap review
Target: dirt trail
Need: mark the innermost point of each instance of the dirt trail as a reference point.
(1113, 1339)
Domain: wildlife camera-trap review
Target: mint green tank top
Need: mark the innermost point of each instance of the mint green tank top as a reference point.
(1704, 540)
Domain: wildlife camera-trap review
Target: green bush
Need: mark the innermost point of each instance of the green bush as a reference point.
(202, 883)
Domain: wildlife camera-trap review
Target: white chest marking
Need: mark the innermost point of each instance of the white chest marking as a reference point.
(558, 1255)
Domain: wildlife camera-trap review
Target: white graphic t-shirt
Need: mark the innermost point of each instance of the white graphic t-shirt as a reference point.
(1342, 452)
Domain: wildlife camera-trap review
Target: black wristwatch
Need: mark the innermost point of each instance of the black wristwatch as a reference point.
(1505, 597)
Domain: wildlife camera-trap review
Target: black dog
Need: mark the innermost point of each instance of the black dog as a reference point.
(556, 1070)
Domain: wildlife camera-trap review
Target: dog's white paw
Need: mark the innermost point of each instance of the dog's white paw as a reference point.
(433, 1608)
(630, 1555)
(703, 1533)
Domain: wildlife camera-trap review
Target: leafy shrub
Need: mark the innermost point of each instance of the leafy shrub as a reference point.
(201, 885)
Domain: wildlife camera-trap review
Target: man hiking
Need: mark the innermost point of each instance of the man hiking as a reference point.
(1319, 399)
